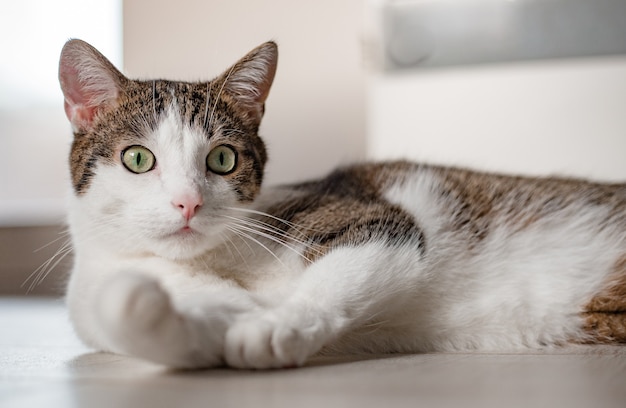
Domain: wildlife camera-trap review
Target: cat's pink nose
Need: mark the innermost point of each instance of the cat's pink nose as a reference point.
(188, 204)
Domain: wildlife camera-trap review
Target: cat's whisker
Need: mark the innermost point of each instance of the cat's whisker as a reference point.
(282, 238)
(269, 237)
(34, 276)
(254, 223)
(217, 129)
(230, 243)
(208, 103)
(219, 95)
(40, 274)
(273, 230)
(154, 110)
(141, 122)
(282, 221)
(51, 267)
(243, 227)
(246, 243)
(238, 231)
(63, 234)
(233, 130)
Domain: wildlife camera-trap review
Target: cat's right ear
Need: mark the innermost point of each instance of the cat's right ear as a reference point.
(90, 83)
(250, 79)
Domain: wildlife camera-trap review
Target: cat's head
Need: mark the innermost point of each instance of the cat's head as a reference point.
(155, 165)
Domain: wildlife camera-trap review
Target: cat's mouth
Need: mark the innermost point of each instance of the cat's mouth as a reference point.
(183, 242)
(187, 239)
(185, 231)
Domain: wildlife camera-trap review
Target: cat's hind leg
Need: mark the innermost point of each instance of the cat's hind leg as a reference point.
(605, 327)
(605, 315)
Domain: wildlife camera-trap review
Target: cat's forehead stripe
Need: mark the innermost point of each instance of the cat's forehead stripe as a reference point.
(179, 144)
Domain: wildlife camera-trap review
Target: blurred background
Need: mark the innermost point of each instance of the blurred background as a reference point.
(532, 87)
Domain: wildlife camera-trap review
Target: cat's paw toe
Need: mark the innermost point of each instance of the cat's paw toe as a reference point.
(249, 346)
(263, 344)
(293, 347)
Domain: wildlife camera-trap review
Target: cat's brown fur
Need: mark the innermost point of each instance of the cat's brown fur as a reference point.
(345, 208)
(605, 314)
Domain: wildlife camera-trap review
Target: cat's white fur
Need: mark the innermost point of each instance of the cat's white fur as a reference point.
(518, 290)
(181, 307)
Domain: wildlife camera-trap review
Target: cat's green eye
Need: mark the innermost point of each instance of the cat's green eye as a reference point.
(138, 159)
(222, 160)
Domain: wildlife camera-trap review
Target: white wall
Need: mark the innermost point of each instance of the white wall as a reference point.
(315, 114)
(34, 132)
(33, 165)
(564, 117)
(479, 92)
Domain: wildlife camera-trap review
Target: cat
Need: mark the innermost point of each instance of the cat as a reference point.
(183, 259)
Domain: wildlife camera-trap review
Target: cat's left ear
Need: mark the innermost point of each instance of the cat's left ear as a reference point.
(250, 79)
(90, 83)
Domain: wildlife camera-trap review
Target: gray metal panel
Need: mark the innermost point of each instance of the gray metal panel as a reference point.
(421, 34)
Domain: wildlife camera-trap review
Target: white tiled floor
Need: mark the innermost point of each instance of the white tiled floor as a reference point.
(42, 364)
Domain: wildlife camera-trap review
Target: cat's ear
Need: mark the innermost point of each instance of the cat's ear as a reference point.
(90, 83)
(250, 79)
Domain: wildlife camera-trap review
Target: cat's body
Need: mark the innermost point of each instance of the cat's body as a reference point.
(190, 264)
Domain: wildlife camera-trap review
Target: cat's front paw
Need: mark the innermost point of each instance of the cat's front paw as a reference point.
(133, 303)
(139, 319)
(270, 341)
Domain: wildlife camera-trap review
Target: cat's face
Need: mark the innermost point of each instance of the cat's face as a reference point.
(156, 165)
